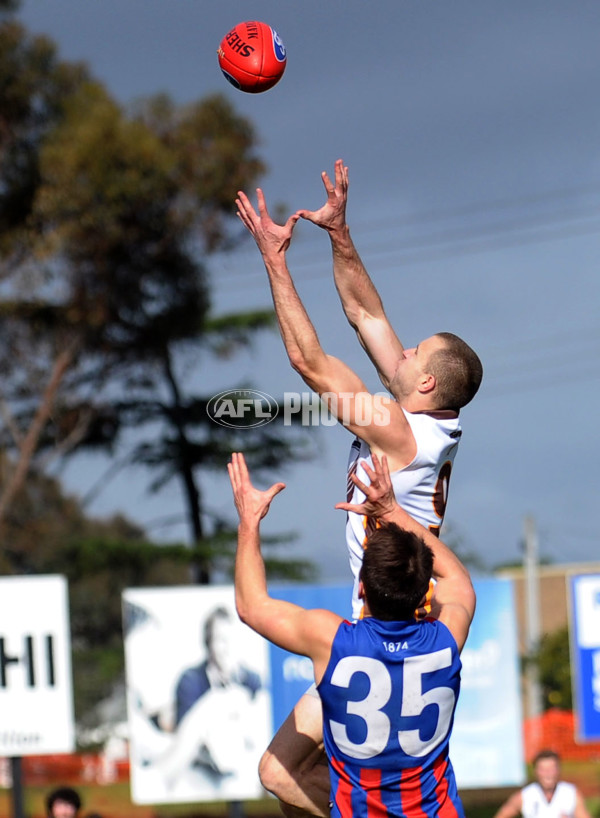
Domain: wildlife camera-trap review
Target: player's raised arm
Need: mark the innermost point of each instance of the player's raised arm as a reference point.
(293, 628)
(360, 299)
(511, 807)
(454, 594)
(381, 424)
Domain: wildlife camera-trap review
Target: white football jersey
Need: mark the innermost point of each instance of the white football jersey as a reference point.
(535, 804)
(421, 487)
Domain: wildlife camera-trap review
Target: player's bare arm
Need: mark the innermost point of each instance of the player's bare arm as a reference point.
(293, 628)
(380, 422)
(360, 299)
(581, 810)
(454, 594)
(512, 807)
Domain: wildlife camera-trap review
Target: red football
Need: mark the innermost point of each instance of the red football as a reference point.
(252, 57)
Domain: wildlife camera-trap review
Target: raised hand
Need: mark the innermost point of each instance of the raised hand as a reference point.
(271, 238)
(379, 501)
(332, 216)
(251, 503)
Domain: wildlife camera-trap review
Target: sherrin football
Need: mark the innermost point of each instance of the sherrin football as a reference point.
(252, 57)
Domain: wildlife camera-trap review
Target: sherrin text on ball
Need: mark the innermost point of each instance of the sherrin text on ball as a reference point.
(252, 57)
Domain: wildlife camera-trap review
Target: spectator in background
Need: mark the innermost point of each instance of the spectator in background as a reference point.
(63, 802)
(547, 796)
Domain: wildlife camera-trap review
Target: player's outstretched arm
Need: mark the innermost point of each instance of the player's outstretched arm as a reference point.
(309, 633)
(581, 810)
(297, 331)
(511, 807)
(360, 300)
(346, 394)
(454, 594)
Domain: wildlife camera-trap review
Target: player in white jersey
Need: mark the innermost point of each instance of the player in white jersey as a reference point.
(422, 485)
(547, 796)
(434, 379)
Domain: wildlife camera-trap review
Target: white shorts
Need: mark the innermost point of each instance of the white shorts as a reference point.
(312, 691)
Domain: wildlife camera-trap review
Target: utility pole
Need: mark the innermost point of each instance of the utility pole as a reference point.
(17, 786)
(532, 617)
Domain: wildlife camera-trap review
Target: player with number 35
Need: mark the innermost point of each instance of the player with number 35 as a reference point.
(387, 748)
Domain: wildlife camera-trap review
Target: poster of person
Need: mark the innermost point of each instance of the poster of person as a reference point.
(198, 698)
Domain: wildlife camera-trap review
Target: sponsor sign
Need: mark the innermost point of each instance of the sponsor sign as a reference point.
(36, 698)
(585, 654)
(210, 751)
(198, 696)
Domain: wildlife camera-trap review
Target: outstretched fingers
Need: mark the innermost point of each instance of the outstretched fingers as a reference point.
(233, 469)
(341, 175)
(327, 183)
(379, 495)
(250, 501)
(262, 205)
(245, 211)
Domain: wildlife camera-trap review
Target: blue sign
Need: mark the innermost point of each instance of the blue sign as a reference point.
(486, 747)
(585, 653)
(292, 675)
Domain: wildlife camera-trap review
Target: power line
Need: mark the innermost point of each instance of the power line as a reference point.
(532, 383)
(562, 338)
(468, 244)
(441, 214)
(546, 358)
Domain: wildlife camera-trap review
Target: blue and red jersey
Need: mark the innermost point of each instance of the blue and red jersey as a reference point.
(389, 694)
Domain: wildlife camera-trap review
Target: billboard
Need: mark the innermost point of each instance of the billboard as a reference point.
(291, 675)
(198, 733)
(198, 698)
(585, 654)
(36, 698)
(486, 747)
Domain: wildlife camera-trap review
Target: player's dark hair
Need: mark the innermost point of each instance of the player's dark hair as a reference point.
(546, 754)
(219, 613)
(457, 371)
(67, 794)
(396, 569)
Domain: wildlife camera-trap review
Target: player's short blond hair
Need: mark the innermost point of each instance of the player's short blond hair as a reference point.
(457, 370)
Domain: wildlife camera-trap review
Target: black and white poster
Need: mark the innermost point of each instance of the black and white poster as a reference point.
(199, 705)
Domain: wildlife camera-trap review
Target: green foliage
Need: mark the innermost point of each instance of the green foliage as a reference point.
(554, 665)
(34, 85)
(123, 211)
(108, 217)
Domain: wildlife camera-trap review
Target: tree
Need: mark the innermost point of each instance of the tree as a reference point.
(107, 218)
(106, 304)
(33, 87)
(48, 532)
(554, 664)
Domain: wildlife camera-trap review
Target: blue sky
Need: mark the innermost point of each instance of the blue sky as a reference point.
(472, 134)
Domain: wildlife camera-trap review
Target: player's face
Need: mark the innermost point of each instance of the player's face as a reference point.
(413, 365)
(547, 772)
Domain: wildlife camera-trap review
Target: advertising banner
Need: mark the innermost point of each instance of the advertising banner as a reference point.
(197, 694)
(585, 654)
(36, 696)
(203, 705)
(486, 747)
